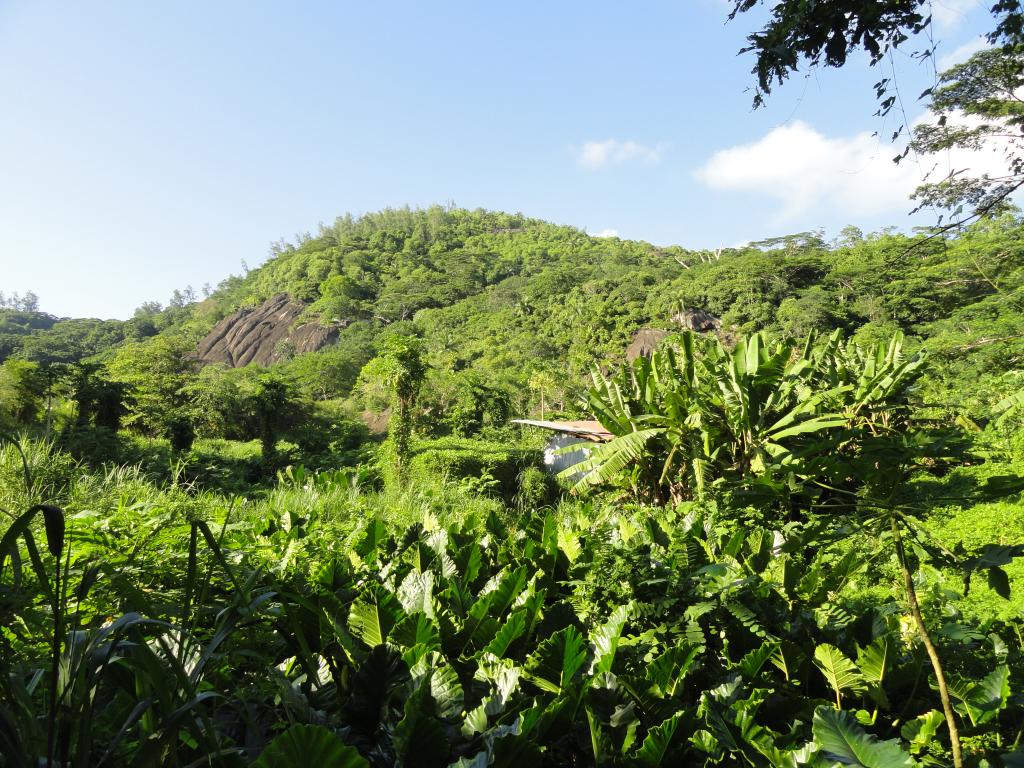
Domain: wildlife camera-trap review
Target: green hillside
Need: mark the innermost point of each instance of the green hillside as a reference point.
(500, 299)
(800, 543)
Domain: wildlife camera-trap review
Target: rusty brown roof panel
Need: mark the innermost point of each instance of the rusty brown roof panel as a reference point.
(591, 430)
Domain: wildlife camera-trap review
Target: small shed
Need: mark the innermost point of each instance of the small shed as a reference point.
(566, 433)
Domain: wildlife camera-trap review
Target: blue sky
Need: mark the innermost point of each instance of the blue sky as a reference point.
(146, 146)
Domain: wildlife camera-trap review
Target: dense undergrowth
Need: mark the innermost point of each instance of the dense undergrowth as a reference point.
(438, 625)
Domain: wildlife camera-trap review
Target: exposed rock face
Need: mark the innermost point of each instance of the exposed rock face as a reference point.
(264, 335)
(698, 320)
(646, 340)
(644, 343)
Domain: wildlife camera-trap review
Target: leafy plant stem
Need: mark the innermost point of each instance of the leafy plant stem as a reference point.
(55, 645)
(933, 654)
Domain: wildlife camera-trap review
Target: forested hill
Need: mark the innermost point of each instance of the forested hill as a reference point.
(501, 299)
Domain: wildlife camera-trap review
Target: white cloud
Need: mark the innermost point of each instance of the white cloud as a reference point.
(963, 53)
(807, 171)
(601, 154)
(804, 169)
(606, 233)
(949, 13)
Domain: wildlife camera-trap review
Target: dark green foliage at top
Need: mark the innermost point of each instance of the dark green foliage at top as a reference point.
(826, 33)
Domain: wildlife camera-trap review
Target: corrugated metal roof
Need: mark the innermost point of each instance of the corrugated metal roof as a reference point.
(591, 430)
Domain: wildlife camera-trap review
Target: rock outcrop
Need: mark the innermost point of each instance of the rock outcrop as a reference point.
(699, 320)
(647, 340)
(264, 334)
(644, 343)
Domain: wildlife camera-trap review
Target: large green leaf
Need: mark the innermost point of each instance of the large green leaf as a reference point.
(1008, 405)
(874, 662)
(667, 672)
(513, 627)
(983, 700)
(815, 424)
(53, 520)
(373, 616)
(657, 743)
(556, 661)
(751, 664)
(516, 752)
(605, 640)
(788, 658)
(309, 745)
(842, 738)
(509, 587)
(415, 630)
(419, 737)
(373, 536)
(416, 593)
(838, 670)
(444, 686)
(921, 730)
(607, 460)
(379, 681)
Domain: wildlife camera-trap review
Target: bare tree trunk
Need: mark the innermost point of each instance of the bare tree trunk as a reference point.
(933, 654)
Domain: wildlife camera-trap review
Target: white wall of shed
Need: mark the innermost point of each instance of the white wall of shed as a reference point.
(556, 462)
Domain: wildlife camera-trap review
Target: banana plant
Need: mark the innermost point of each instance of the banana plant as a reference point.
(768, 418)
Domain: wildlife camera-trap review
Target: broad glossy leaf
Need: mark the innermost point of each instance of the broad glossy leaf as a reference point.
(605, 640)
(875, 659)
(445, 687)
(600, 741)
(557, 660)
(874, 662)
(516, 751)
(513, 627)
(413, 630)
(309, 745)
(569, 544)
(1009, 403)
(788, 658)
(608, 459)
(984, 699)
(373, 616)
(842, 738)
(838, 670)
(508, 588)
(921, 730)
(373, 536)
(416, 593)
(378, 681)
(751, 664)
(816, 424)
(53, 522)
(419, 737)
(657, 743)
(667, 671)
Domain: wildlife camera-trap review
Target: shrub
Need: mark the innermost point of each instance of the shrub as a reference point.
(455, 458)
